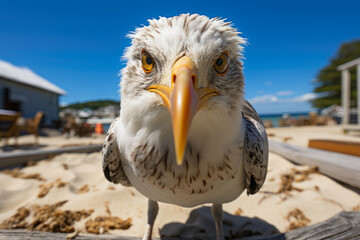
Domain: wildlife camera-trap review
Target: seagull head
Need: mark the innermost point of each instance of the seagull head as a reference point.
(182, 66)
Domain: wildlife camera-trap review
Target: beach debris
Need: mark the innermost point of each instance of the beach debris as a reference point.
(103, 224)
(239, 211)
(83, 189)
(50, 157)
(296, 175)
(49, 218)
(46, 218)
(287, 180)
(107, 208)
(17, 173)
(286, 139)
(17, 220)
(73, 234)
(332, 201)
(111, 188)
(356, 208)
(302, 175)
(297, 219)
(45, 187)
(31, 163)
(65, 166)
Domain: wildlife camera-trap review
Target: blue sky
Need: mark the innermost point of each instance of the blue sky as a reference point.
(78, 44)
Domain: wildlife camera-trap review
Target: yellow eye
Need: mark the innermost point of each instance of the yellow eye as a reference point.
(147, 62)
(222, 63)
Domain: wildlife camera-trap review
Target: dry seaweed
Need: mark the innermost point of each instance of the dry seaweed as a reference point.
(50, 219)
(356, 208)
(297, 219)
(104, 224)
(17, 220)
(107, 208)
(286, 139)
(83, 189)
(45, 187)
(239, 211)
(46, 218)
(296, 175)
(302, 175)
(31, 163)
(17, 173)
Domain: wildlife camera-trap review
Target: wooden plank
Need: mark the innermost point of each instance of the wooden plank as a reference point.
(350, 128)
(16, 158)
(343, 226)
(342, 167)
(346, 147)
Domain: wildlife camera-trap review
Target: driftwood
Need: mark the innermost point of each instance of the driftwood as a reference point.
(16, 158)
(342, 167)
(345, 225)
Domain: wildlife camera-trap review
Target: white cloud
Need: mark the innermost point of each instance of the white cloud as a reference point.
(285, 93)
(304, 98)
(264, 99)
(63, 104)
(271, 98)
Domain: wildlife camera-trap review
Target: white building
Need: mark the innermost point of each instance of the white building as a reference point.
(24, 91)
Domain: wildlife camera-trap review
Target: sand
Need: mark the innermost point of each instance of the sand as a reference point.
(292, 196)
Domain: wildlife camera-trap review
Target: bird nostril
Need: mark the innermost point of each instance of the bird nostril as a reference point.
(173, 79)
(193, 78)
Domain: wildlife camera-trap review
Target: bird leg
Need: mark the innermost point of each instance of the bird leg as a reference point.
(153, 209)
(217, 213)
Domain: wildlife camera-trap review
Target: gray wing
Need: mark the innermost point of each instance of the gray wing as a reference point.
(111, 161)
(256, 150)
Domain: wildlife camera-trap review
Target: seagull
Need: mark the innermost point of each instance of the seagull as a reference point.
(185, 134)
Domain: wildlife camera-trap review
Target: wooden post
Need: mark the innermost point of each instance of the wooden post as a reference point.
(345, 95)
(358, 92)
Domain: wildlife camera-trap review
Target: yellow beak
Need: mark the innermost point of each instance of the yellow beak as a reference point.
(183, 99)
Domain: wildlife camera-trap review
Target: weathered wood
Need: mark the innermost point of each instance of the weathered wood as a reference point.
(16, 158)
(342, 167)
(344, 226)
(351, 128)
(346, 147)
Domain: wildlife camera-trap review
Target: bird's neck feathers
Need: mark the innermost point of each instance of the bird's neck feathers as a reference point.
(212, 128)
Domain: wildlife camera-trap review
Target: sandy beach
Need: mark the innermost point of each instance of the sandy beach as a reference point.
(292, 196)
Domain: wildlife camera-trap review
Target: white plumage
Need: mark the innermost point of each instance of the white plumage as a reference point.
(185, 134)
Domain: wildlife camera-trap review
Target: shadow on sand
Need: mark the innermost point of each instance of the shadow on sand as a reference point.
(200, 225)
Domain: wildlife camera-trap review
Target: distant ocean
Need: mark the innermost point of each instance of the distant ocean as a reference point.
(275, 117)
(272, 117)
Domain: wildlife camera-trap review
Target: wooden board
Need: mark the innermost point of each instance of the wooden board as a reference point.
(346, 147)
(16, 158)
(342, 167)
(343, 226)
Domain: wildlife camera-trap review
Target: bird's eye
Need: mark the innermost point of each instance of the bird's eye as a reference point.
(147, 62)
(222, 64)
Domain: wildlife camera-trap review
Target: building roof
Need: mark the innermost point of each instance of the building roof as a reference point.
(26, 76)
(348, 65)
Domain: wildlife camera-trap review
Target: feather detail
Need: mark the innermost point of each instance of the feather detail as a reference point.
(111, 161)
(256, 150)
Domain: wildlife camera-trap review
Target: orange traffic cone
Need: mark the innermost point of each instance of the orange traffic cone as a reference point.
(99, 129)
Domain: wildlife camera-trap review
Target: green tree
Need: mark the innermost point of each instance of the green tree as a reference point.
(328, 80)
(91, 104)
